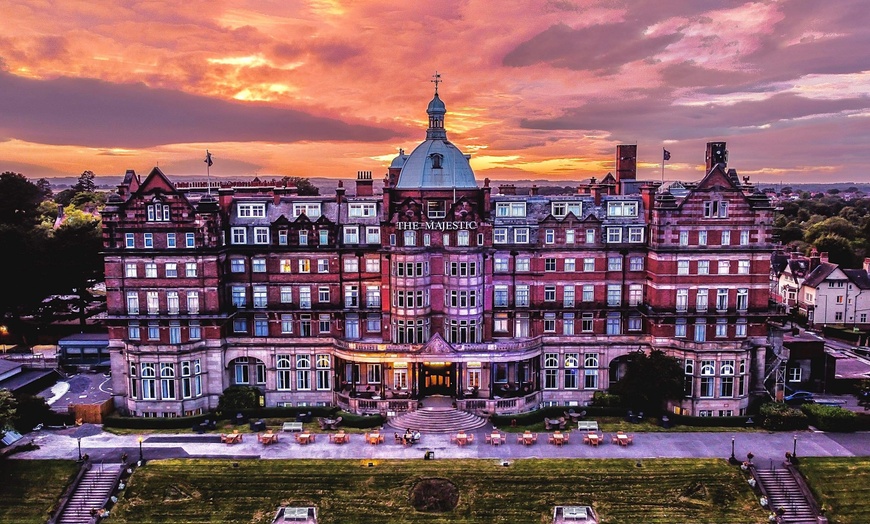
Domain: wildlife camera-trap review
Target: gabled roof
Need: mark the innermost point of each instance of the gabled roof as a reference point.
(858, 277)
(819, 274)
(778, 262)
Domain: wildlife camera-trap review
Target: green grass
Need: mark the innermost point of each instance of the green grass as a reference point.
(649, 425)
(841, 485)
(344, 491)
(29, 489)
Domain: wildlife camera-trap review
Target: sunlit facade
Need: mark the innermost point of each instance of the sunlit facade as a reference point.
(438, 285)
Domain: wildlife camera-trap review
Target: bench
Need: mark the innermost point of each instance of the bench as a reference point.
(292, 426)
(587, 425)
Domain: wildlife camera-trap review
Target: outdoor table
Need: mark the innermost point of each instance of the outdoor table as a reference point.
(305, 438)
(623, 439)
(231, 438)
(528, 438)
(374, 438)
(495, 439)
(559, 438)
(329, 423)
(269, 438)
(594, 439)
(463, 438)
(339, 438)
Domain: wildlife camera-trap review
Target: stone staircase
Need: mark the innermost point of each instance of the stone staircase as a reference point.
(92, 491)
(783, 490)
(437, 420)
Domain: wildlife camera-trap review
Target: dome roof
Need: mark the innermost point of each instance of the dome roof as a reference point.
(436, 163)
(399, 161)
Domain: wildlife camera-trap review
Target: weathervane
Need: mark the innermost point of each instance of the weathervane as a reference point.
(436, 80)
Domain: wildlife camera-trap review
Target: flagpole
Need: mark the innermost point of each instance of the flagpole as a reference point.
(663, 165)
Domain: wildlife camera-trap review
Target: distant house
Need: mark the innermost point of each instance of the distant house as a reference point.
(18, 378)
(84, 350)
(833, 295)
(788, 272)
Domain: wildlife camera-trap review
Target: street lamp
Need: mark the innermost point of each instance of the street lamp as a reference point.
(794, 447)
(141, 457)
(3, 332)
(733, 460)
(80, 448)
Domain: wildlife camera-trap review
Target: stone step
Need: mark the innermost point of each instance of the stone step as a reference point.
(784, 491)
(437, 420)
(93, 489)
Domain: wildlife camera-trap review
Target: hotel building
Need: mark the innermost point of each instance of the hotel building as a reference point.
(439, 285)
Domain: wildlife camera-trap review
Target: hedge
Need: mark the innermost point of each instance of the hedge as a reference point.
(116, 421)
(551, 412)
(831, 418)
(782, 417)
(360, 421)
(729, 422)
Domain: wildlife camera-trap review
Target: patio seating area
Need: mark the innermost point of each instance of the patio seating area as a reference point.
(231, 438)
(558, 438)
(462, 438)
(527, 438)
(268, 437)
(593, 438)
(495, 438)
(339, 438)
(374, 438)
(306, 438)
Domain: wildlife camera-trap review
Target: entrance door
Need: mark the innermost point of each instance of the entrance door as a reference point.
(438, 379)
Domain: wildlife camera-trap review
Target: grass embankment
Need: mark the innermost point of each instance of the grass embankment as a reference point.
(673, 491)
(29, 489)
(841, 485)
(649, 425)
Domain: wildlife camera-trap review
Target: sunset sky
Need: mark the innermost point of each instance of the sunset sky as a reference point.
(534, 89)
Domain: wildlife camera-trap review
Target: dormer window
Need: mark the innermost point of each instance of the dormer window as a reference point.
(158, 211)
(437, 160)
(436, 208)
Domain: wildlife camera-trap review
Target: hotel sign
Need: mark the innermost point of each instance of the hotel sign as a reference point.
(436, 226)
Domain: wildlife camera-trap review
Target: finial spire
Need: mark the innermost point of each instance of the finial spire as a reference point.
(436, 79)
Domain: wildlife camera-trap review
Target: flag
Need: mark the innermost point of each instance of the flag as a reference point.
(665, 152)
(208, 158)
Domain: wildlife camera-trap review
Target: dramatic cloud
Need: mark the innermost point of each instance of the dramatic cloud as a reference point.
(538, 88)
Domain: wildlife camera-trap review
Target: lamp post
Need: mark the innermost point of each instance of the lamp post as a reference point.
(3, 332)
(141, 457)
(80, 448)
(733, 460)
(794, 447)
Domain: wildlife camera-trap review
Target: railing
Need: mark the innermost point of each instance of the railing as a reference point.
(502, 406)
(371, 406)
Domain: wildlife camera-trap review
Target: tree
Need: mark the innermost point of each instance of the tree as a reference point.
(85, 182)
(77, 262)
(831, 226)
(8, 408)
(839, 250)
(45, 187)
(650, 381)
(304, 186)
(30, 411)
(236, 398)
(19, 199)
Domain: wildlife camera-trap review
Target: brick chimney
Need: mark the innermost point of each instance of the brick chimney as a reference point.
(364, 183)
(596, 190)
(507, 189)
(814, 260)
(647, 195)
(339, 192)
(533, 190)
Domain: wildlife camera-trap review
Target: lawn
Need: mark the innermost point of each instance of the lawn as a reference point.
(345, 491)
(29, 489)
(842, 485)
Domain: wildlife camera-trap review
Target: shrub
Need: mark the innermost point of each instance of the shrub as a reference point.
(781, 417)
(115, 421)
(606, 400)
(729, 422)
(360, 421)
(831, 418)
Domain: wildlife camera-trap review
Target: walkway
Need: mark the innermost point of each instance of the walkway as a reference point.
(768, 448)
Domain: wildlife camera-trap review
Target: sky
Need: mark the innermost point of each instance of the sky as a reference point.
(534, 89)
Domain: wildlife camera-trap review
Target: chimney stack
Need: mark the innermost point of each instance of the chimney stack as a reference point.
(364, 183)
(507, 189)
(339, 192)
(533, 190)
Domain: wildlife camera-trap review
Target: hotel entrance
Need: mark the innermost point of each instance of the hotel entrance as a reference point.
(438, 378)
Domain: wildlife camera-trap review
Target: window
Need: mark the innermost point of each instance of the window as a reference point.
(499, 235)
(304, 265)
(324, 324)
(700, 330)
(283, 372)
(708, 370)
(373, 374)
(523, 264)
(158, 212)
(724, 267)
(521, 235)
(373, 296)
(170, 240)
(351, 296)
(622, 209)
(410, 238)
(716, 209)
(436, 208)
(373, 323)
(561, 209)
(152, 302)
(373, 235)
(310, 209)
(590, 236)
(240, 325)
(258, 265)
(522, 296)
(238, 296)
(251, 210)
(614, 324)
(303, 372)
(510, 209)
(570, 265)
(261, 296)
(722, 299)
(133, 330)
(614, 294)
(303, 238)
(500, 322)
(726, 238)
(550, 293)
(132, 303)
(286, 324)
(129, 240)
(462, 237)
(130, 270)
(635, 264)
(634, 323)
(351, 264)
(305, 297)
(189, 240)
(740, 328)
(635, 235)
(701, 300)
(550, 264)
(351, 235)
(742, 299)
(703, 267)
(323, 237)
(590, 371)
(190, 270)
(682, 303)
(614, 235)
(587, 322)
(721, 327)
(361, 209)
(684, 238)
(153, 331)
(567, 323)
(682, 267)
(572, 363)
(569, 236)
(500, 265)
(521, 325)
(373, 265)
(551, 365)
(680, 328)
(193, 302)
(588, 264)
(322, 364)
(744, 237)
(742, 267)
(237, 265)
(588, 293)
(702, 237)
(568, 296)
(150, 270)
(549, 236)
(500, 296)
(261, 326)
(614, 263)
(635, 294)
(795, 374)
(149, 386)
(172, 305)
(194, 331)
(238, 235)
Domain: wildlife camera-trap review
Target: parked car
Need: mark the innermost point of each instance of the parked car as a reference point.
(799, 397)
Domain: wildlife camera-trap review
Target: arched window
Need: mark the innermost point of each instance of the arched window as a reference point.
(437, 159)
